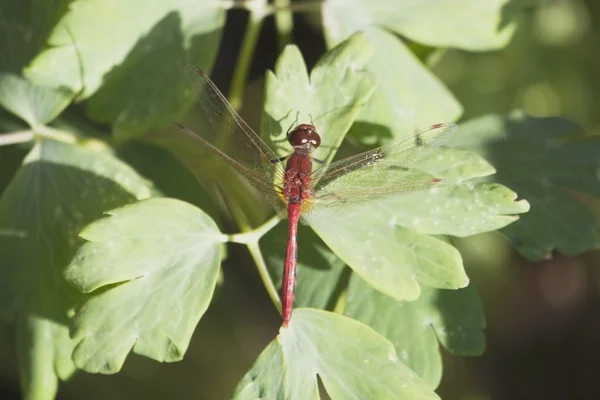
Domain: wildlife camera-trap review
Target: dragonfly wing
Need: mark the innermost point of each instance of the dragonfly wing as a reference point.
(225, 133)
(259, 180)
(361, 187)
(384, 171)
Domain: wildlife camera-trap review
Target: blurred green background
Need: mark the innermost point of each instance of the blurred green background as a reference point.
(543, 318)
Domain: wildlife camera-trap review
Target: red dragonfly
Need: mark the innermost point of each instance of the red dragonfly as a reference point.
(297, 188)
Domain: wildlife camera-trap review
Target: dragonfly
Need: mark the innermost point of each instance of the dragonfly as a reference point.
(293, 184)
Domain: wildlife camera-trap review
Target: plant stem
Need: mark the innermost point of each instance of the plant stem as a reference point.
(40, 131)
(251, 239)
(264, 274)
(17, 137)
(255, 235)
(258, 10)
(56, 134)
(284, 23)
(257, 15)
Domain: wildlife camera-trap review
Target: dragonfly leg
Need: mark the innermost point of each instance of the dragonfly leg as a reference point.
(293, 123)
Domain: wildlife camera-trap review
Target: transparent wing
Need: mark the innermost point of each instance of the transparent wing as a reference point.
(225, 133)
(382, 171)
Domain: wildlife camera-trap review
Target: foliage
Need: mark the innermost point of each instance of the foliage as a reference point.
(95, 261)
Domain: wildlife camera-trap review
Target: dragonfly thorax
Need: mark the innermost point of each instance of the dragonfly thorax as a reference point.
(304, 136)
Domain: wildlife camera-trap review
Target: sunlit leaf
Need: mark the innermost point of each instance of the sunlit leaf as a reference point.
(383, 240)
(35, 105)
(408, 96)
(330, 98)
(164, 256)
(390, 258)
(469, 24)
(351, 359)
(135, 69)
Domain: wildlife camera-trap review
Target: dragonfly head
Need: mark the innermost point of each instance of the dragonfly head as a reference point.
(306, 136)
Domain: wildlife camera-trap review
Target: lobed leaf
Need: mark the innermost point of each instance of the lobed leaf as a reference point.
(158, 262)
(383, 240)
(330, 98)
(142, 44)
(351, 359)
(408, 96)
(549, 161)
(453, 317)
(467, 24)
(58, 189)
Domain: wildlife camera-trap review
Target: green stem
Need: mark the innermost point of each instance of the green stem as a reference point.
(340, 304)
(264, 274)
(251, 239)
(56, 134)
(258, 10)
(39, 131)
(236, 94)
(284, 23)
(17, 137)
(255, 235)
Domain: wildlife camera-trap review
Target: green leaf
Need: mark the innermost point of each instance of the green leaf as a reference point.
(454, 317)
(547, 161)
(383, 240)
(162, 256)
(392, 259)
(145, 41)
(460, 210)
(455, 164)
(35, 105)
(468, 24)
(408, 95)
(340, 350)
(59, 189)
(318, 269)
(330, 98)
(265, 379)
